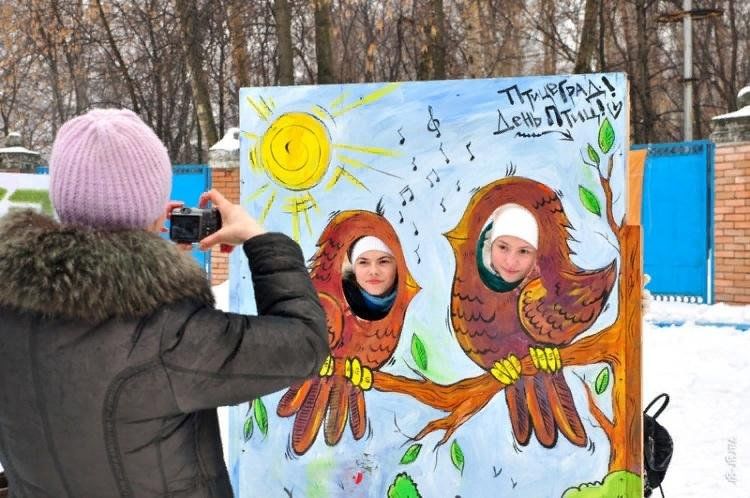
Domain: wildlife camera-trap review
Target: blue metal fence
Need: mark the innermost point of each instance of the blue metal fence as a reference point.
(189, 181)
(677, 219)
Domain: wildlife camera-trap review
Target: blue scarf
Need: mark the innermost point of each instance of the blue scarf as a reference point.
(378, 303)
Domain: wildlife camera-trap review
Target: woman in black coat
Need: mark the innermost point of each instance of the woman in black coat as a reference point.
(113, 356)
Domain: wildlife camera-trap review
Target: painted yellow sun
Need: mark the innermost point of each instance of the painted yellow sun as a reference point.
(296, 150)
(297, 154)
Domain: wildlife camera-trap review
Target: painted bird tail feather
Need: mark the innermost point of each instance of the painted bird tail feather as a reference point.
(543, 404)
(329, 399)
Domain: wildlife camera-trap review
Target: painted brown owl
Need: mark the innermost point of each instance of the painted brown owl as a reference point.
(552, 306)
(338, 394)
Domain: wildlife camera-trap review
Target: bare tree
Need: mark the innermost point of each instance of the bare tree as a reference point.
(238, 37)
(283, 20)
(323, 49)
(187, 13)
(588, 38)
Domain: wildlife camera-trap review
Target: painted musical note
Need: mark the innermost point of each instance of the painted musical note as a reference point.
(401, 217)
(403, 193)
(433, 124)
(414, 164)
(416, 251)
(470, 153)
(443, 152)
(416, 230)
(403, 138)
(429, 179)
(442, 205)
(458, 186)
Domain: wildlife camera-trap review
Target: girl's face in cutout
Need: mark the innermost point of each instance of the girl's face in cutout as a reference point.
(512, 258)
(375, 272)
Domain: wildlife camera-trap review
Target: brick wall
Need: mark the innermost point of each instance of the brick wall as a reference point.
(732, 223)
(226, 181)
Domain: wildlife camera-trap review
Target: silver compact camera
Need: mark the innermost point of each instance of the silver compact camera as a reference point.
(189, 225)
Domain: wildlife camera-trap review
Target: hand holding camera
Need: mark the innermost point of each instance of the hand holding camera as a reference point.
(225, 223)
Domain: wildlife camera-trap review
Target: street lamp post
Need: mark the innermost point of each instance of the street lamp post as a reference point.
(687, 29)
(686, 15)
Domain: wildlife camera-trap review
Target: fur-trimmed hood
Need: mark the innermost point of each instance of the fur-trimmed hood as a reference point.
(72, 272)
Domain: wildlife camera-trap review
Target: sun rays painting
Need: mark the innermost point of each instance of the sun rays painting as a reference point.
(502, 358)
(296, 152)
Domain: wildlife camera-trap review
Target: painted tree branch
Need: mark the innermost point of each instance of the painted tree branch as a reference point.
(613, 225)
(465, 398)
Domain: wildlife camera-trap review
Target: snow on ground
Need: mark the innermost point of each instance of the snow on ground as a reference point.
(705, 370)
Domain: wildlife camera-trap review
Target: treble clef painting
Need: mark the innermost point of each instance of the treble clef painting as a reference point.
(433, 124)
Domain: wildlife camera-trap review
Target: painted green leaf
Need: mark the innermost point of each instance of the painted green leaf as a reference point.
(606, 136)
(261, 416)
(403, 487)
(247, 429)
(411, 454)
(2, 193)
(589, 200)
(602, 381)
(592, 154)
(418, 352)
(457, 456)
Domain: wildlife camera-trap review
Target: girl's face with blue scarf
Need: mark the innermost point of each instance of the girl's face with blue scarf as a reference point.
(375, 272)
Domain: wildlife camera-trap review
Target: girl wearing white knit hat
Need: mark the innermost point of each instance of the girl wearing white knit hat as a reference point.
(510, 250)
(370, 286)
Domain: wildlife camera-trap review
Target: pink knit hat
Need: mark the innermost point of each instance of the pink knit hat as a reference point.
(109, 170)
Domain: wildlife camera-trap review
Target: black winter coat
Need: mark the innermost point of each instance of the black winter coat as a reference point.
(113, 359)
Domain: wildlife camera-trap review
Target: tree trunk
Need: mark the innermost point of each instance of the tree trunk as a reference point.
(118, 58)
(474, 40)
(371, 48)
(642, 65)
(602, 65)
(432, 53)
(238, 41)
(437, 40)
(588, 39)
(284, 39)
(323, 50)
(189, 30)
(549, 63)
(733, 72)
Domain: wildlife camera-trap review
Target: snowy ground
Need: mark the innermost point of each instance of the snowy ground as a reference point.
(703, 363)
(705, 370)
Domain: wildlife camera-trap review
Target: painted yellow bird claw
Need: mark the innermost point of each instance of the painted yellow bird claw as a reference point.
(546, 359)
(532, 353)
(327, 369)
(366, 383)
(358, 374)
(507, 371)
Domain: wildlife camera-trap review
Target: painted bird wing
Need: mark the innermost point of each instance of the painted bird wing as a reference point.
(334, 319)
(556, 312)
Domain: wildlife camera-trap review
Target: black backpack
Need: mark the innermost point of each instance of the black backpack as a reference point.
(657, 448)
